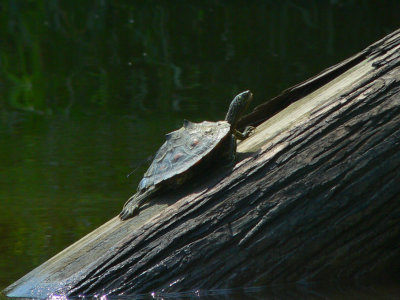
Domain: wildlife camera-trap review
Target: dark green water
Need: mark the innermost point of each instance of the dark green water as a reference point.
(89, 88)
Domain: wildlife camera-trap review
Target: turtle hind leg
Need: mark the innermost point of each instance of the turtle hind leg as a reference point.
(131, 207)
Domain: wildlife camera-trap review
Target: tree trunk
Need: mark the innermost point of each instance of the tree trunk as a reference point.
(314, 196)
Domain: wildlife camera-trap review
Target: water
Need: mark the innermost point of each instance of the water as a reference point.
(89, 89)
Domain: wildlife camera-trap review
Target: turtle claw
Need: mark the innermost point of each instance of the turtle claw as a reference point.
(245, 134)
(129, 210)
(132, 205)
(249, 130)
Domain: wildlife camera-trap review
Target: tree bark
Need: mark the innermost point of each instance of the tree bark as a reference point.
(314, 196)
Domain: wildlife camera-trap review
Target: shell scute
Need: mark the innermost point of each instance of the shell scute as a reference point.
(183, 149)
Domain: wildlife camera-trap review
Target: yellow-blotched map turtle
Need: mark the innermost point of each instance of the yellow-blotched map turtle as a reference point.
(189, 150)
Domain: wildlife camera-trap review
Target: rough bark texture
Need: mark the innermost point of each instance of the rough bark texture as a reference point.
(315, 196)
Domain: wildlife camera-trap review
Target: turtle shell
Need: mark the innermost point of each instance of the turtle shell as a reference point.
(183, 149)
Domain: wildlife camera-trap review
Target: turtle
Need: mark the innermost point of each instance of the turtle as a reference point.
(189, 150)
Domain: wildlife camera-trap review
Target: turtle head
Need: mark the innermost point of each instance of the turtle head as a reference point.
(237, 107)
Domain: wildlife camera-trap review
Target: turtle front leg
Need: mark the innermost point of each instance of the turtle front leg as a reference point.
(245, 134)
(229, 155)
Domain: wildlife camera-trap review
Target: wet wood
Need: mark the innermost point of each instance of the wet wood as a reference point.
(314, 196)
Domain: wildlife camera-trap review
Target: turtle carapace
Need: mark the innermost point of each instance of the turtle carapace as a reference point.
(188, 150)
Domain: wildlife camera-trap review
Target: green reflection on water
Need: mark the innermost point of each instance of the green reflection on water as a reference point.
(88, 89)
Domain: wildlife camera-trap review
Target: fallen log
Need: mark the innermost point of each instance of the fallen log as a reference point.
(314, 196)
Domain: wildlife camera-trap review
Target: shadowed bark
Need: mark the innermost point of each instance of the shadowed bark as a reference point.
(314, 196)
